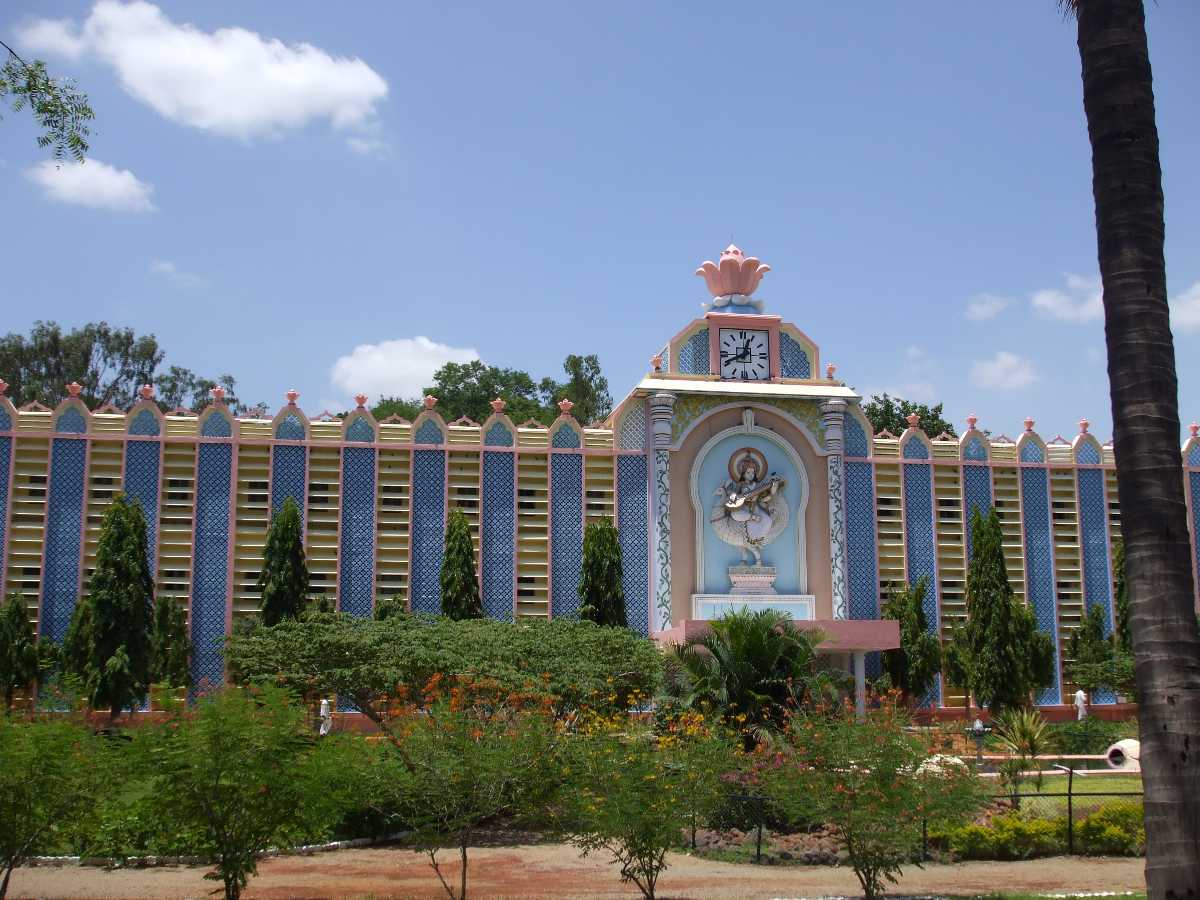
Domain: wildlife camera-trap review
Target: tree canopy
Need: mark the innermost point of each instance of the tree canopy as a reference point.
(459, 580)
(283, 581)
(601, 594)
(887, 413)
(913, 668)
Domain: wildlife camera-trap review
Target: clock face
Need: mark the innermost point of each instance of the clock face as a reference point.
(743, 354)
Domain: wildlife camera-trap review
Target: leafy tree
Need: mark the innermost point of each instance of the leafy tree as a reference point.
(395, 406)
(1121, 599)
(171, 646)
(182, 388)
(913, 668)
(51, 775)
(243, 772)
(283, 581)
(388, 607)
(59, 109)
(467, 389)
(1009, 657)
(19, 659)
(585, 386)
(601, 595)
(887, 413)
(460, 584)
(956, 662)
(873, 783)
(108, 646)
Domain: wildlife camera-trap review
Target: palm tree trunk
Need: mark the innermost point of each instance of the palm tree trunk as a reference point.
(1118, 99)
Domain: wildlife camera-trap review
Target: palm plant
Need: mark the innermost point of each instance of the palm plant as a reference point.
(1025, 734)
(751, 668)
(1118, 101)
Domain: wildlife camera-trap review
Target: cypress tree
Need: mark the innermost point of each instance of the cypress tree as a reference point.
(109, 642)
(283, 581)
(18, 648)
(172, 647)
(460, 586)
(601, 594)
(914, 666)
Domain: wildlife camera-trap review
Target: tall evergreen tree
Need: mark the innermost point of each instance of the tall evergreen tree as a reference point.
(1009, 657)
(913, 667)
(109, 645)
(18, 648)
(601, 594)
(1121, 599)
(169, 664)
(283, 581)
(460, 585)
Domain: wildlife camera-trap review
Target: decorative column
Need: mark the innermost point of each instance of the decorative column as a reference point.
(662, 409)
(833, 417)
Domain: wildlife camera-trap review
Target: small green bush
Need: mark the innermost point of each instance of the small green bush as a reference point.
(1089, 736)
(1009, 837)
(1113, 830)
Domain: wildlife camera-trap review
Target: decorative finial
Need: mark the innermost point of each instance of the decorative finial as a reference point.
(74, 388)
(3, 387)
(498, 406)
(1194, 428)
(914, 421)
(430, 401)
(1083, 426)
(292, 396)
(830, 368)
(971, 420)
(146, 391)
(1028, 424)
(734, 276)
(217, 393)
(361, 400)
(656, 362)
(565, 406)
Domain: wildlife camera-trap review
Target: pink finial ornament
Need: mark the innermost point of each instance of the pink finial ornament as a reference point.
(74, 388)
(972, 419)
(1194, 428)
(218, 394)
(146, 391)
(498, 406)
(1028, 424)
(735, 273)
(1083, 426)
(914, 421)
(430, 401)
(656, 362)
(361, 400)
(830, 368)
(292, 396)
(565, 406)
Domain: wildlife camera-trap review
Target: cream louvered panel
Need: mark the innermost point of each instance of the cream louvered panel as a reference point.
(104, 482)
(1006, 497)
(598, 488)
(323, 512)
(952, 576)
(533, 535)
(253, 517)
(27, 526)
(889, 524)
(392, 521)
(177, 511)
(1114, 504)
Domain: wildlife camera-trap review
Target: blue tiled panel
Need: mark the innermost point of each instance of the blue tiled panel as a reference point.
(977, 486)
(71, 422)
(145, 424)
(5, 420)
(428, 433)
(1194, 487)
(356, 570)
(793, 359)
(290, 428)
(1031, 451)
(499, 435)
(915, 448)
(566, 532)
(1087, 454)
(1093, 527)
(64, 532)
(5, 472)
(498, 533)
(975, 451)
(360, 430)
(288, 463)
(860, 533)
(920, 547)
(428, 529)
(566, 438)
(633, 517)
(142, 463)
(217, 425)
(693, 354)
(1192, 460)
(1039, 559)
(210, 585)
(633, 427)
(855, 438)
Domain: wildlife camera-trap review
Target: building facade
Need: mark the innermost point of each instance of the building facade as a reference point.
(738, 472)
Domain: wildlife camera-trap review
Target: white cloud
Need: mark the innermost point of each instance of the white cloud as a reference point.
(92, 183)
(986, 306)
(231, 81)
(1082, 301)
(1004, 371)
(1185, 310)
(400, 368)
(172, 273)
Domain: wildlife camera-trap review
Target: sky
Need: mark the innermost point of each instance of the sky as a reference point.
(341, 198)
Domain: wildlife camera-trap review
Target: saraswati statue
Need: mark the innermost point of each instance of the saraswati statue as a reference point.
(750, 511)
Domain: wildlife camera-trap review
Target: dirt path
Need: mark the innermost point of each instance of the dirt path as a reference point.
(554, 870)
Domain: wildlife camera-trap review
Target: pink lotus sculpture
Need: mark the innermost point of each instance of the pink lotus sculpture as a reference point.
(735, 275)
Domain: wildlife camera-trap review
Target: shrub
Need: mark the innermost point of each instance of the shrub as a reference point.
(601, 594)
(1116, 829)
(1088, 736)
(1009, 837)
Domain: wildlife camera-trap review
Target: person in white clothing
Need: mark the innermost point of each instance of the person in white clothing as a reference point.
(1080, 705)
(326, 718)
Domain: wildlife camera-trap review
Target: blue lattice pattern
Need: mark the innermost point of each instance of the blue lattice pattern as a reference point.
(5, 419)
(566, 438)
(145, 424)
(566, 530)
(977, 486)
(1193, 457)
(855, 438)
(974, 450)
(290, 428)
(632, 433)
(793, 358)
(64, 533)
(499, 435)
(71, 421)
(1032, 451)
(1039, 561)
(915, 448)
(1093, 527)
(288, 464)
(920, 546)
(217, 425)
(1194, 488)
(142, 461)
(5, 471)
(429, 433)
(360, 430)
(860, 533)
(210, 586)
(356, 569)
(497, 538)
(1087, 453)
(693, 354)
(428, 529)
(633, 518)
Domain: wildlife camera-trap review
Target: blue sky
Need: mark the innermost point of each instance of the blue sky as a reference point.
(275, 185)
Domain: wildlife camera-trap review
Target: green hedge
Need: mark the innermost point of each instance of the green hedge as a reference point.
(1115, 829)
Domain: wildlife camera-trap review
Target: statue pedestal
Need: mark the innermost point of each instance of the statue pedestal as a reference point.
(705, 607)
(752, 580)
